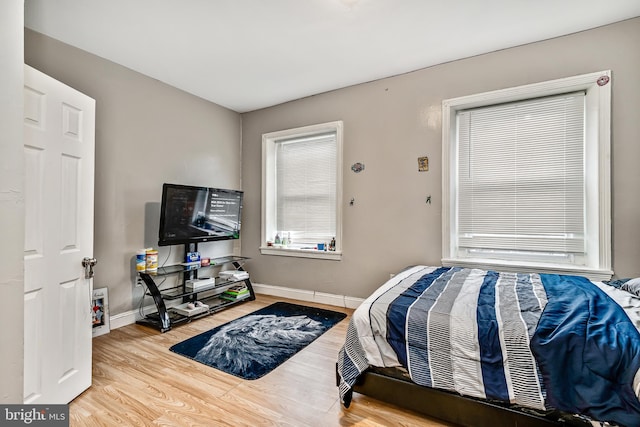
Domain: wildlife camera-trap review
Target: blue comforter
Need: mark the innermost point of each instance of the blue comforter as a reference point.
(537, 340)
(588, 352)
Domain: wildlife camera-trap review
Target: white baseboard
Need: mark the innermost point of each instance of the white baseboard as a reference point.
(129, 317)
(305, 295)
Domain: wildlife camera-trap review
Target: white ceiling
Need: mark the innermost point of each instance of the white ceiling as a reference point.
(250, 54)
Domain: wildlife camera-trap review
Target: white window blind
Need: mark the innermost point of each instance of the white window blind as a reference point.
(306, 187)
(521, 178)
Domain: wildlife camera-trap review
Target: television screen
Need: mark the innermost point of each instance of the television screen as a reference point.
(198, 214)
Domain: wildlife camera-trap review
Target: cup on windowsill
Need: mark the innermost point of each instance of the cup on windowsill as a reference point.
(320, 246)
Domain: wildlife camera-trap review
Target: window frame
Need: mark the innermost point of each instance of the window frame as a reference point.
(597, 182)
(268, 211)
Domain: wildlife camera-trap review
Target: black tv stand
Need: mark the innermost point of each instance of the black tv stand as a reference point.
(165, 318)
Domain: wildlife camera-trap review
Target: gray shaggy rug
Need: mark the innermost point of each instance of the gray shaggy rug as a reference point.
(253, 345)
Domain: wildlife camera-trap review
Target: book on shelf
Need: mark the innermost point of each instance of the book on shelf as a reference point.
(235, 293)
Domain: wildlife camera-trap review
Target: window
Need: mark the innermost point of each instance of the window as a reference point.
(527, 178)
(302, 190)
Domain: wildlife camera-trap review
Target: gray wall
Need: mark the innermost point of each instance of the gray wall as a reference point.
(389, 123)
(147, 133)
(11, 202)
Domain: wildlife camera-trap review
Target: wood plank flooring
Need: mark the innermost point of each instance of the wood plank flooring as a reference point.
(137, 381)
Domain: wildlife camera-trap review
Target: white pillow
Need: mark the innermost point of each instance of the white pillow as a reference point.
(632, 286)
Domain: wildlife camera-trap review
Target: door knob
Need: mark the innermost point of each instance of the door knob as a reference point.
(88, 264)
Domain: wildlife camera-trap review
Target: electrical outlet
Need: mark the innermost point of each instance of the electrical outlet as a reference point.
(139, 282)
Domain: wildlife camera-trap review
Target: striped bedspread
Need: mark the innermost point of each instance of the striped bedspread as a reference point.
(536, 340)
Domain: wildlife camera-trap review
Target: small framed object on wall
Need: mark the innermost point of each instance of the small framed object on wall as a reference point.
(100, 311)
(423, 164)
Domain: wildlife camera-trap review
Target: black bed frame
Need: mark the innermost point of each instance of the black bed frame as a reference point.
(453, 408)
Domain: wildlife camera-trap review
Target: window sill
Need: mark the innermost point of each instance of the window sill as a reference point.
(592, 274)
(301, 253)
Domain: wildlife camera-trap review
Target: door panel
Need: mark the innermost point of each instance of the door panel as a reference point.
(67, 321)
(33, 351)
(69, 203)
(59, 166)
(34, 212)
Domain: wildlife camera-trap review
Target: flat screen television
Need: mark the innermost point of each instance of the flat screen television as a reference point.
(191, 214)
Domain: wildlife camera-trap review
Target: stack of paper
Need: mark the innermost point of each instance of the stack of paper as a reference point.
(233, 275)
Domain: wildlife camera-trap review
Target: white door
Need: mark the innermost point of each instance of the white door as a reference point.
(59, 125)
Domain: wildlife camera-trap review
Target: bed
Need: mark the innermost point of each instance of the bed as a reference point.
(471, 346)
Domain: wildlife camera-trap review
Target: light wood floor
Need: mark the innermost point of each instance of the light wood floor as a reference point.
(137, 381)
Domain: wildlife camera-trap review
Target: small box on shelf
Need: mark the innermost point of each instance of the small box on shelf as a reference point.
(192, 257)
(200, 283)
(191, 309)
